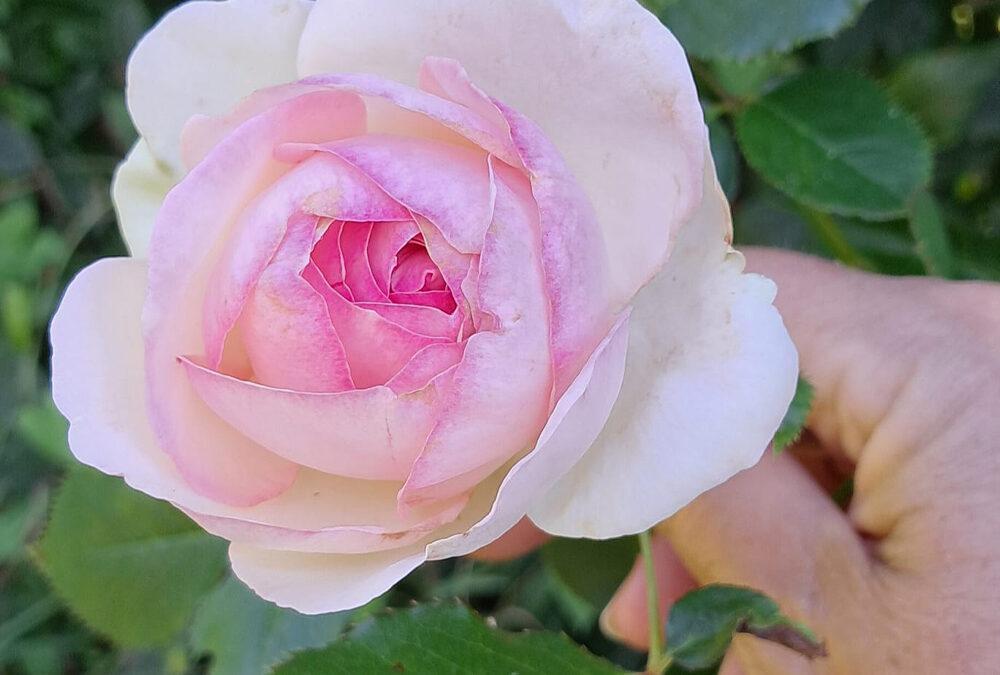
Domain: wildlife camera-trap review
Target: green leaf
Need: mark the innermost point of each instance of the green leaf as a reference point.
(18, 521)
(45, 430)
(740, 30)
(132, 567)
(444, 640)
(245, 634)
(749, 79)
(591, 569)
(958, 78)
(795, 418)
(702, 624)
(931, 235)
(835, 142)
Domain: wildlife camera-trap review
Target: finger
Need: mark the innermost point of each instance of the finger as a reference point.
(517, 541)
(907, 380)
(863, 338)
(626, 618)
(892, 362)
(772, 528)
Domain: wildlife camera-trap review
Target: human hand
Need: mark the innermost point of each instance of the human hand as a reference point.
(907, 580)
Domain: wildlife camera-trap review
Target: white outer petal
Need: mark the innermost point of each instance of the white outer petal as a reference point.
(203, 57)
(710, 373)
(317, 583)
(138, 189)
(605, 81)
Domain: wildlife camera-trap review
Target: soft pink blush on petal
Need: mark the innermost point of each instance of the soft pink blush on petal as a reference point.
(454, 265)
(575, 422)
(372, 433)
(285, 326)
(386, 240)
(196, 218)
(573, 253)
(419, 319)
(354, 539)
(443, 301)
(322, 583)
(358, 274)
(573, 250)
(448, 185)
(502, 387)
(376, 347)
(458, 118)
(201, 133)
(447, 79)
(425, 365)
(261, 226)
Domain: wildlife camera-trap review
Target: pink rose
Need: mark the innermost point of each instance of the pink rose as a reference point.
(403, 273)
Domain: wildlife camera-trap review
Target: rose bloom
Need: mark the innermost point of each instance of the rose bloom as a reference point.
(402, 273)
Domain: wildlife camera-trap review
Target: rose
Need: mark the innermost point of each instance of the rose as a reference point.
(366, 324)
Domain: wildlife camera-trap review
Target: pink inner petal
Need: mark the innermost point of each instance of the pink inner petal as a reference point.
(358, 276)
(415, 271)
(449, 185)
(376, 347)
(260, 228)
(419, 319)
(362, 433)
(440, 300)
(509, 402)
(425, 365)
(286, 327)
(327, 257)
(194, 221)
(456, 117)
(384, 245)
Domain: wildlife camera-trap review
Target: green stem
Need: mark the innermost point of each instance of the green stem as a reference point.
(652, 605)
(826, 228)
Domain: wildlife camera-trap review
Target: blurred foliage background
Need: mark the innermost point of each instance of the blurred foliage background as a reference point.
(868, 132)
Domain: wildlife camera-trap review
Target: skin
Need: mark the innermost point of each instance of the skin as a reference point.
(907, 578)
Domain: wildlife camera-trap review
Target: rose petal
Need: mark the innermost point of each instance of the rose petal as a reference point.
(710, 373)
(376, 347)
(448, 185)
(387, 239)
(137, 190)
(317, 583)
(575, 422)
(397, 109)
(419, 319)
(605, 81)
(201, 133)
(509, 404)
(376, 530)
(98, 383)
(425, 365)
(261, 226)
(368, 433)
(285, 327)
(196, 217)
(203, 57)
(358, 275)
(573, 248)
